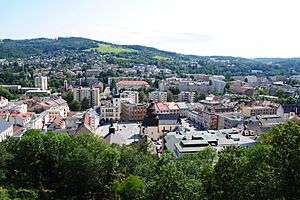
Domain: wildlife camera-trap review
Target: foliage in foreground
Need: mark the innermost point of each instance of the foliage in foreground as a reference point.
(60, 166)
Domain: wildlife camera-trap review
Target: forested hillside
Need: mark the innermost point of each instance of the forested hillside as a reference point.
(60, 166)
(129, 55)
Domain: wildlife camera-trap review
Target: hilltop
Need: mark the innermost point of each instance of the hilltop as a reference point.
(129, 55)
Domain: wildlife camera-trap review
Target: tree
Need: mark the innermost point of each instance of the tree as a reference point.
(175, 90)
(285, 154)
(85, 103)
(200, 96)
(68, 96)
(132, 188)
(75, 105)
(171, 183)
(5, 93)
(290, 101)
(142, 96)
(170, 97)
(279, 93)
(5, 157)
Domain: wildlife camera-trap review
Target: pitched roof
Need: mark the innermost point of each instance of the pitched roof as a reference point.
(4, 125)
(133, 83)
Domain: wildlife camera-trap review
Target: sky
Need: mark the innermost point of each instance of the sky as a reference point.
(245, 28)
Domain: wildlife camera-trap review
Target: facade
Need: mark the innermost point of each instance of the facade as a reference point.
(242, 88)
(6, 130)
(111, 110)
(166, 108)
(19, 119)
(156, 124)
(186, 96)
(259, 110)
(3, 101)
(93, 94)
(132, 96)
(133, 111)
(41, 82)
(230, 120)
(218, 86)
(91, 119)
(183, 109)
(158, 97)
(132, 85)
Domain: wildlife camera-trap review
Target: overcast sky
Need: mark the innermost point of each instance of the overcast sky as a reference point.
(247, 28)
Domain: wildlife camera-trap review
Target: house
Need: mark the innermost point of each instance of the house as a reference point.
(155, 125)
(58, 123)
(19, 119)
(3, 101)
(6, 130)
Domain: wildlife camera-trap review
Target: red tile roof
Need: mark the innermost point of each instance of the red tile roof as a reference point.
(133, 83)
(59, 121)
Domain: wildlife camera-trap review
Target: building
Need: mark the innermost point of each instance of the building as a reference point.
(186, 96)
(93, 94)
(251, 79)
(259, 110)
(218, 85)
(156, 124)
(158, 97)
(132, 96)
(38, 92)
(230, 120)
(183, 109)
(166, 108)
(41, 82)
(58, 123)
(133, 111)
(3, 101)
(110, 109)
(182, 141)
(20, 119)
(239, 87)
(132, 85)
(6, 130)
(66, 86)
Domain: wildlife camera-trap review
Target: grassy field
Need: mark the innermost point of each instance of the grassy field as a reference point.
(106, 48)
(160, 57)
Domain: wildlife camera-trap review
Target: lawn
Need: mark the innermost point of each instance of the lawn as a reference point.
(106, 48)
(160, 57)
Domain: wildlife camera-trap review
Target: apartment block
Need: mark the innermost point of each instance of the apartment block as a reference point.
(41, 82)
(158, 97)
(92, 94)
(133, 111)
(186, 96)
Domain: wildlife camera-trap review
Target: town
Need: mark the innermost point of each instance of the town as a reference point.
(182, 113)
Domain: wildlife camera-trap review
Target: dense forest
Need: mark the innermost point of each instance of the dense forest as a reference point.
(83, 166)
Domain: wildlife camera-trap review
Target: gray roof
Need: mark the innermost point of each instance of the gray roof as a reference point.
(4, 125)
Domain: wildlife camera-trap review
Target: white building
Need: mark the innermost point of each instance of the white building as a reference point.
(19, 119)
(6, 130)
(131, 96)
(250, 79)
(186, 96)
(111, 110)
(41, 82)
(158, 97)
(3, 101)
(218, 86)
(53, 113)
